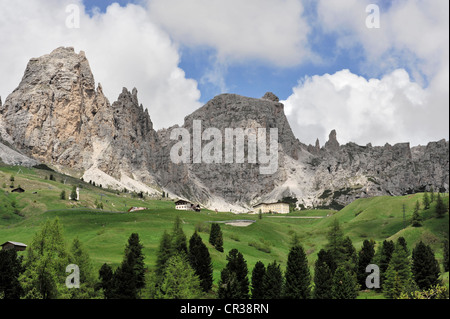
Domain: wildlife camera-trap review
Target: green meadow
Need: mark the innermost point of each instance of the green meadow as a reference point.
(104, 232)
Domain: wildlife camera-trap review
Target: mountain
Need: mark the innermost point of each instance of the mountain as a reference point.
(58, 116)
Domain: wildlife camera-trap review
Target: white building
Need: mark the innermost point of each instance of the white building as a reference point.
(276, 208)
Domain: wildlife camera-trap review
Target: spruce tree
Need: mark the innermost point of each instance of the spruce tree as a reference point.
(383, 257)
(258, 280)
(218, 244)
(234, 282)
(106, 277)
(10, 270)
(440, 209)
(129, 278)
(365, 257)
(297, 276)
(179, 241)
(335, 243)
(213, 233)
(446, 256)
(344, 284)
(273, 282)
(402, 242)
(426, 200)
(416, 219)
(162, 256)
(323, 277)
(200, 261)
(398, 275)
(180, 281)
(425, 267)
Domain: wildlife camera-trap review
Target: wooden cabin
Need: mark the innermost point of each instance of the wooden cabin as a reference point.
(14, 245)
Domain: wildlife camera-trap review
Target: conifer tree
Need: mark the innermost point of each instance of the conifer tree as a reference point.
(200, 261)
(425, 267)
(234, 282)
(273, 282)
(323, 277)
(335, 243)
(441, 209)
(213, 233)
(106, 276)
(446, 256)
(10, 270)
(416, 219)
(402, 242)
(162, 256)
(426, 200)
(180, 281)
(398, 275)
(297, 276)
(383, 257)
(365, 257)
(179, 241)
(45, 263)
(219, 240)
(258, 280)
(344, 284)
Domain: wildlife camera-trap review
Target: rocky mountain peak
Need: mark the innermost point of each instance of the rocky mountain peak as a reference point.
(332, 144)
(271, 97)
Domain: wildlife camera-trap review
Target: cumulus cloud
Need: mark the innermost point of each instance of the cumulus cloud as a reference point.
(269, 30)
(391, 109)
(405, 97)
(124, 48)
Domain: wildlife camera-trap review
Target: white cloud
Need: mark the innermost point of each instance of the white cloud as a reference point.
(269, 30)
(391, 109)
(123, 46)
(400, 106)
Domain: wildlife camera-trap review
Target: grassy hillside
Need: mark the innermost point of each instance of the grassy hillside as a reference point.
(105, 232)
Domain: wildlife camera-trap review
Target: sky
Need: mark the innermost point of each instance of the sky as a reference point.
(376, 71)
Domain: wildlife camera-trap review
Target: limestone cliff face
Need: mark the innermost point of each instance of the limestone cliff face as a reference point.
(59, 117)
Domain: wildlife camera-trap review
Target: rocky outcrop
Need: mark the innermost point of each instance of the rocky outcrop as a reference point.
(58, 116)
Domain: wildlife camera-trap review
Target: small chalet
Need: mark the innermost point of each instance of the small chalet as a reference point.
(18, 190)
(14, 245)
(183, 205)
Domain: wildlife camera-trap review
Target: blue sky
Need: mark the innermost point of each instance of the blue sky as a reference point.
(384, 84)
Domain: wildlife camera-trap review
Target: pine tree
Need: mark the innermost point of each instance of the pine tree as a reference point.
(79, 256)
(402, 242)
(350, 257)
(162, 256)
(426, 200)
(45, 263)
(10, 270)
(425, 267)
(257, 280)
(323, 277)
(335, 243)
(273, 282)
(106, 277)
(218, 244)
(297, 276)
(446, 256)
(234, 282)
(62, 195)
(180, 281)
(213, 233)
(344, 284)
(383, 257)
(441, 209)
(129, 278)
(365, 257)
(398, 274)
(432, 195)
(179, 241)
(200, 261)
(416, 219)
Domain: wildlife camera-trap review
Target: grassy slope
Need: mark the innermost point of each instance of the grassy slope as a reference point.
(105, 233)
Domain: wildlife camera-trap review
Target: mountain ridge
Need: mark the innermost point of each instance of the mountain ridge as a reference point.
(58, 116)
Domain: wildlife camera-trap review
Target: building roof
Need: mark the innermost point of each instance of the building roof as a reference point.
(14, 243)
(270, 203)
(181, 201)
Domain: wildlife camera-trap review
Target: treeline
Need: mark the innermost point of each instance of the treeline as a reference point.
(184, 270)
